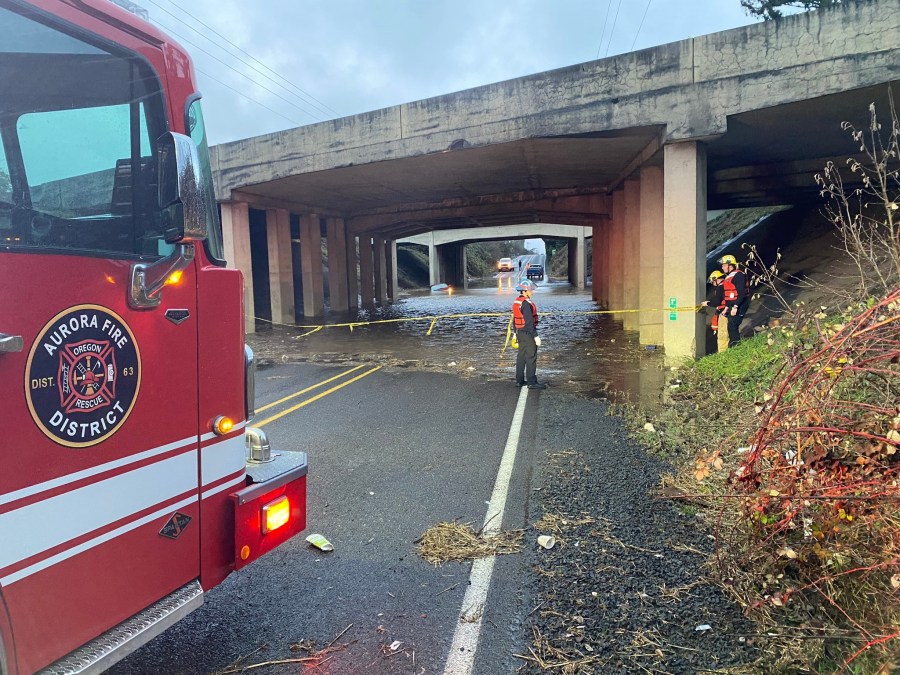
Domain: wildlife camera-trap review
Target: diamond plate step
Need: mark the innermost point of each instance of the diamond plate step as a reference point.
(120, 641)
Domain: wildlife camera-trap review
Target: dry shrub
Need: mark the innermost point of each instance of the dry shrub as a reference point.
(816, 541)
(446, 542)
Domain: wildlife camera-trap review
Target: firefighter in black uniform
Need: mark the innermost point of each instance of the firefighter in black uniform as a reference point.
(525, 320)
(737, 297)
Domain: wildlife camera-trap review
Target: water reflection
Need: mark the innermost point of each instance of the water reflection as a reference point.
(588, 354)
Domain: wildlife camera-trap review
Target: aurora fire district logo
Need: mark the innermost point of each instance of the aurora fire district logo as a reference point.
(83, 376)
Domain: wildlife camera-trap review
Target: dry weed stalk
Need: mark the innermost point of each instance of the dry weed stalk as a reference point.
(868, 217)
(446, 542)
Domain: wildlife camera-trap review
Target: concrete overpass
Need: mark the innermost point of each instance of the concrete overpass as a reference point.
(636, 147)
(448, 246)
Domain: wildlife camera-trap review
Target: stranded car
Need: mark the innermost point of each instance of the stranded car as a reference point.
(535, 272)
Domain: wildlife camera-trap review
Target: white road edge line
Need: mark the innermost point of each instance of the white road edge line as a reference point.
(461, 658)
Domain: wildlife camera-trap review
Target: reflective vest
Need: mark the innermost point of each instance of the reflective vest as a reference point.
(731, 291)
(714, 324)
(518, 317)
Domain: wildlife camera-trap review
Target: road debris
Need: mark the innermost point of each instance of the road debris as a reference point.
(447, 542)
(320, 542)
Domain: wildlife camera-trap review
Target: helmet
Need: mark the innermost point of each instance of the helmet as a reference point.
(727, 260)
(525, 285)
(715, 274)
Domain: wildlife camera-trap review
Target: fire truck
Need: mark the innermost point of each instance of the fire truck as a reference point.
(130, 480)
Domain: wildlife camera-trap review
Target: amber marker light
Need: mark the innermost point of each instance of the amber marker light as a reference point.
(275, 514)
(174, 278)
(221, 425)
(245, 552)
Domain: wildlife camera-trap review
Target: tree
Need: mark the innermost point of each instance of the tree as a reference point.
(770, 9)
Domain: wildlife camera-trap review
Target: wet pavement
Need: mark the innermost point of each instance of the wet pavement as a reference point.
(583, 352)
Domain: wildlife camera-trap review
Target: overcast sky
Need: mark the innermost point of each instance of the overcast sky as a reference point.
(304, 62)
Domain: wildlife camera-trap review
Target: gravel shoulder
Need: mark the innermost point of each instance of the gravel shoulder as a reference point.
(625, 589)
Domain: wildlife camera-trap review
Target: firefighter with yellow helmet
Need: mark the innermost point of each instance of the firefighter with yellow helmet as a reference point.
(718, 303)
(737, 296)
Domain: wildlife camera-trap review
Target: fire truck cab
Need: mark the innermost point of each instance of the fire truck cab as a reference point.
(126, 490)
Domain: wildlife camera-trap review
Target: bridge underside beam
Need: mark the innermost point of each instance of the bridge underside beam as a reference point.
(508, 209)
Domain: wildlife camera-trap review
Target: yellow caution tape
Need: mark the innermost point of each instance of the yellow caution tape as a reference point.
(314, 328)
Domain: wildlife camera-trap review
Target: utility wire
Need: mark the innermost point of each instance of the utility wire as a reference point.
(244, 75)
(603, 31)
(301, 93)
(613, 29)
(647, 9)
(252, 100)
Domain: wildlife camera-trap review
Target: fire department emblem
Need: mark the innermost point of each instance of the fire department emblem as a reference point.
(83, 376)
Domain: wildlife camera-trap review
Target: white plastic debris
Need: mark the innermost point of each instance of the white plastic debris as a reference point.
(649, 427)
(395, 645)
(320, 542)
(546, 541)
(703, 627)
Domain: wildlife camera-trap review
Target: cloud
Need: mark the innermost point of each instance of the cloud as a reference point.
(352, 56)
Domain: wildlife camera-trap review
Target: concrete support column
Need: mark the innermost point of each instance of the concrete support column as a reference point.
(632, 267)
(577, 261)
(393, 281)
(452, 259)
(352, 274)
(380, 271)
(434, 263)
(366, 272)
(617, 253)
(684, 246)
(236, 242)
(596, 248)
(337, 264)
(464, 267)
(311, 265)
(601, 253)
(281, 265)
(652, 254)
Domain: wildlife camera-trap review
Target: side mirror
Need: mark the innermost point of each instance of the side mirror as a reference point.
(182, 198)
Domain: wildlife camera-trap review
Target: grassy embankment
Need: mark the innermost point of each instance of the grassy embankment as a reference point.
(788, 445)
(788, 448)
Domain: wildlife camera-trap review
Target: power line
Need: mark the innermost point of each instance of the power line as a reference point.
(613, 29)
(304, 95)
(641, 25)
(244, 75)
(603, 31)
(252, 100)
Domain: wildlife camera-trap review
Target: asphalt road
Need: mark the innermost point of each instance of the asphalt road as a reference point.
(391, 455)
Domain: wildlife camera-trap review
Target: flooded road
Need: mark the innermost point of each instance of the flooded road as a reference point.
(585, 353)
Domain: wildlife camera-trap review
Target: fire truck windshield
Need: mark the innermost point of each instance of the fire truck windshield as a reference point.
(77, 137)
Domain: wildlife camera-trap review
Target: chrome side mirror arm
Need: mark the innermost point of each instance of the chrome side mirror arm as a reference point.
(147, 281)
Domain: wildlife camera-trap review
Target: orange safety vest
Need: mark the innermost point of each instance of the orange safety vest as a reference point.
(518, 317)
(731, 292)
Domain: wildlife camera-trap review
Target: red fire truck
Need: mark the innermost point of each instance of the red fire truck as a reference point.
(126, 490)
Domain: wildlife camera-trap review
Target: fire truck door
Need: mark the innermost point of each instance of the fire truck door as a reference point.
(99, 482)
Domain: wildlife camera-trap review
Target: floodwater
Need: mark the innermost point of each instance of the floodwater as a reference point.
(582, 352)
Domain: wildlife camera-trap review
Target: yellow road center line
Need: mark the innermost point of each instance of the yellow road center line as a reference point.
(315, 398)
(308, 389)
